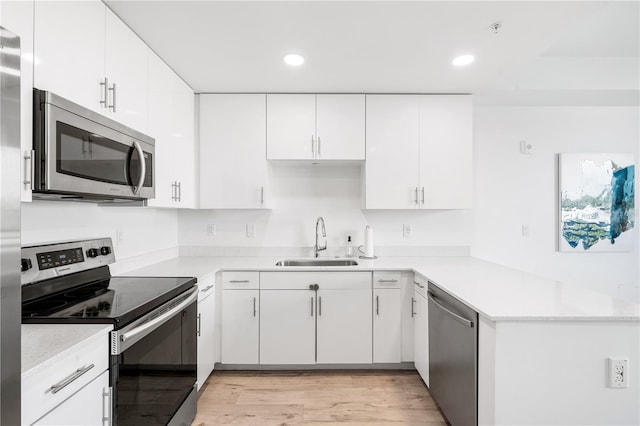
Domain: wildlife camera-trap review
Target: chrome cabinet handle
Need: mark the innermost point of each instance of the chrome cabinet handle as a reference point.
(423, 195)
(387, 281)
(262, 195)
(254, 306)
(112, 89)
(105, 84)
(413, 313)
(416, 193)
(319, 306)
(199, 327)
(173, 191)
(418, 284)
(207, 288)
(313, 147)
(238, 281)
(67, 381)
(30, 160)
(179, 192)
(311, 306)
(378, 305)
(318, 153)
(452, 314)
(106, 406)
(143, 166)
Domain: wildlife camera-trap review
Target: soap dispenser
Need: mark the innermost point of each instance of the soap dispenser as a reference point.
(349, 248)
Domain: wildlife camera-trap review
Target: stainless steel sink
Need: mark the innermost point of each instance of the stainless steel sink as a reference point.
(316, 262)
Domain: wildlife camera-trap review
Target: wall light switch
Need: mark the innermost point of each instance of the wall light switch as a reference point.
(406, 230)
(525, 230)
(211, 229)
(251, 230)
(526, 147)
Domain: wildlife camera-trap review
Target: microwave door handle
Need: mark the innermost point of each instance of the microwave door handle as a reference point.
(143, 167)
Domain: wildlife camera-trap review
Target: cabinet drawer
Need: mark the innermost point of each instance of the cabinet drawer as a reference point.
(325, 280)
(206, 287)
(387, 279)
(240, 280)
(421, 285)
(38, 395)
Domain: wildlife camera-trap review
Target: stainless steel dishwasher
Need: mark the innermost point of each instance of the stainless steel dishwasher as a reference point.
(453, 357)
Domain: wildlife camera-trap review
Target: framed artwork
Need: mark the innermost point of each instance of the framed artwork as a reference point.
(597, 202)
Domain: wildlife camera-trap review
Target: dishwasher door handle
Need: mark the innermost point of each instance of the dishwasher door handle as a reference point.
(453, 314)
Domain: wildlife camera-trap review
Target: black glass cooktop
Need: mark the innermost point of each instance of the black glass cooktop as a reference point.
(116, 300)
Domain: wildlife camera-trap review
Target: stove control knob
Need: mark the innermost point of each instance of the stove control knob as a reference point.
(105, 250)
(26, 264)
(92, 252)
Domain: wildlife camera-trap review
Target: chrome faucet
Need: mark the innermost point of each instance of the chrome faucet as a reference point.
(317, 247)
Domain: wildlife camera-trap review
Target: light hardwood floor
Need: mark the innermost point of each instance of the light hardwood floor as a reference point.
(316, 398)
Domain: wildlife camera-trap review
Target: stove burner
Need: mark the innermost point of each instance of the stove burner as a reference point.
(86, 292)
(43, 306)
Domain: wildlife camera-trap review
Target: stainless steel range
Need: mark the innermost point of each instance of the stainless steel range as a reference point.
(153, 359)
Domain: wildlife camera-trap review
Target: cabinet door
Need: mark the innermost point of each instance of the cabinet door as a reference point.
(387, 325)
(344, 327)
(17, 17)
(206, 338)
(392, 151)
(183, 132)
(340, 127)
(291, 127)
(287, 327)
(232, 126)
(159, 127)
(408, 313)
(422, 337)
(69, 50)
(86, 407)
(446, 152)
(240, 326)
(126, 67)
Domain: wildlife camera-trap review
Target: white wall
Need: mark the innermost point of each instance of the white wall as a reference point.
(143, 230)
(302, 193)
(512, 190)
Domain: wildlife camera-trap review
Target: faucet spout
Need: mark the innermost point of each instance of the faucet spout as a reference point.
(320, 246)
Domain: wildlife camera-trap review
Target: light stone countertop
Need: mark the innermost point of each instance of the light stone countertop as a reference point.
(498, 293)
(46, 342)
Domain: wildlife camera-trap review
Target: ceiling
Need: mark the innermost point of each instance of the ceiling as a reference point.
(573, 52)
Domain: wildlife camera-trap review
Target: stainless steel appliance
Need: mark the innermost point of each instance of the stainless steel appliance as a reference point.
(9, 227)
(82, 156)
(153, 356)
(453, 357)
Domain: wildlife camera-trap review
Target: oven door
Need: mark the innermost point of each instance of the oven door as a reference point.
(86, 157)
(154, 366)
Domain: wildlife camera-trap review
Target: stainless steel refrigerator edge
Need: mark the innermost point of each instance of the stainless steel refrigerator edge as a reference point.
(10, 298)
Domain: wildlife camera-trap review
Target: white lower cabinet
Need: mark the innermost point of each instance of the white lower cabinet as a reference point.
(387, 325)
(86, 407)
(206, 331)
(421, 330)
(240, 326)
(287, 327)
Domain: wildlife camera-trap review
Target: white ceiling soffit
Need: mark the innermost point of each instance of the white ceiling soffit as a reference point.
(585, 52)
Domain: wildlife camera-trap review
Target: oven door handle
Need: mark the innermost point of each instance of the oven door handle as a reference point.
(120, 341)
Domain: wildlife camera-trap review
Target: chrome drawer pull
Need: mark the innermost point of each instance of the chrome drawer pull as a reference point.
(239, 281)
(387, 281)
(207, 288)
(418, 284)
(66, 382)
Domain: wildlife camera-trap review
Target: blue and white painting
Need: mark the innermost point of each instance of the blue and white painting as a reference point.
(597, 202)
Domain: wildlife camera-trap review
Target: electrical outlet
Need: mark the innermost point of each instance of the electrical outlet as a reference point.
(525, 230)
(119, 236)
(406, 230)
(211, 230)
(251, 230)
(618, 372)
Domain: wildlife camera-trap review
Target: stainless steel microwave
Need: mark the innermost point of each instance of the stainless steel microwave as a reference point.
(80, 155)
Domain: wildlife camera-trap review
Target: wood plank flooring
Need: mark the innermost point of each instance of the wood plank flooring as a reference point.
(316, 398)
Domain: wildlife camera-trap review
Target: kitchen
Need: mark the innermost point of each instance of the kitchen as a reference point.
(561, 78)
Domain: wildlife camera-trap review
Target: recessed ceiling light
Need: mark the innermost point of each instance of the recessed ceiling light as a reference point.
(294, 60)
(462, 60)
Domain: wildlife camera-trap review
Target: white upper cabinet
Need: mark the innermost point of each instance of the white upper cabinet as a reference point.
(233, 127)
(291, 127)
(419, 152)
(393, 132)
(17, 17)
(446, 151)
(320, 127)
(171, 123)
(69, 49)
(84, 53)
(340, 127)
(126, 69)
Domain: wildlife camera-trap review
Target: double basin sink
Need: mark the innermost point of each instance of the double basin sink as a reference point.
(316, 262)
